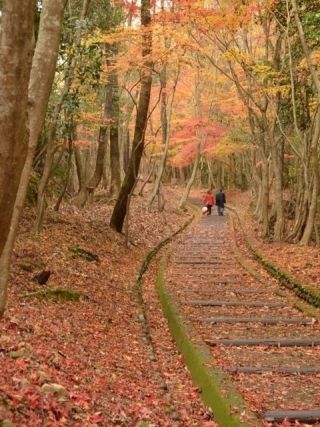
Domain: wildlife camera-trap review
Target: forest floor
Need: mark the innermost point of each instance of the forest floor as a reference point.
(87, 362)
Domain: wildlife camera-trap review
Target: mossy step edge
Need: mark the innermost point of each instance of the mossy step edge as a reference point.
(217, 390)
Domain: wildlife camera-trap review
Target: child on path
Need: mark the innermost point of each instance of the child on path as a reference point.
(208, 201)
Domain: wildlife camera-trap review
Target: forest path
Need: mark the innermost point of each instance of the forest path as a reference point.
(269, 348)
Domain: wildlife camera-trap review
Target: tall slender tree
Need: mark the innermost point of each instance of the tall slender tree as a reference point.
(120, 209)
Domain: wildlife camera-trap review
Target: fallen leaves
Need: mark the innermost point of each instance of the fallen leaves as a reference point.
(93, 348)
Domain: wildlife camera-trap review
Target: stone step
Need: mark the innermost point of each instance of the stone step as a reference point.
(236, 291)
(212, 303)
(280, 369)
(265, 320)
(306, 416)
(277, 342)
(197, 262)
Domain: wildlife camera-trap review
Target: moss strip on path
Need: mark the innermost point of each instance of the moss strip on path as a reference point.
(217, 391)
(151, 254)
(139, 295)
(302, 290)
(139, 280)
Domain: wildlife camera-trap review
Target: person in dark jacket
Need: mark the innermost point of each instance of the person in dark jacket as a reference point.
(220, 201)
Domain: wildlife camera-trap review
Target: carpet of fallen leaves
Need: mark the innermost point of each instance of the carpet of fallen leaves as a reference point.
(87, 362)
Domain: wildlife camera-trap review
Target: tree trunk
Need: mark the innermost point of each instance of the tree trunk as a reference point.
(262, 208)
(301, 215)
(165, 123)
(265, 197)
(41, 201)
(80, 169)
(166, 113)
(256, 183)
(312, 209)
(233, 171)
(125, 140)
(278, 196)
(15, 65)
(192, 178)
(182, 176)
(127, 218)
(101, 153)
(120, 209)
(88, 188)
(106, 165)
(126, 150)
(219, 181)
(112, 112)
(212, 182)
(67, 178)
(151, 172)
(258, 208)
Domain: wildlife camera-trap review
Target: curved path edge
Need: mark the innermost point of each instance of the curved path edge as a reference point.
(217, 390)
(143, 318)
(152, 253)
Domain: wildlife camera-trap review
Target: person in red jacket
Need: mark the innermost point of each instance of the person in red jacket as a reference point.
(208, 201)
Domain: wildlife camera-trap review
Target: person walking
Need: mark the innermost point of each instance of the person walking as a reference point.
(220, 201)
(208, 201)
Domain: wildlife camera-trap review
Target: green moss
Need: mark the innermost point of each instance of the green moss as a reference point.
(302, 290)
(6, 423)
(15, 354)
(56, 295)
(83, 253)
(304, 308)
(280, 293)
(216, 388)
(152, 253)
